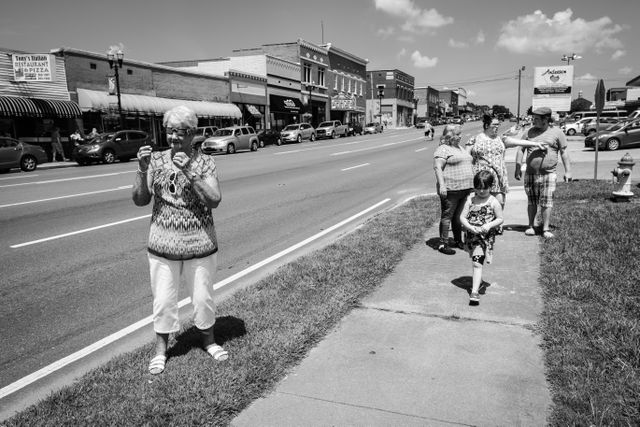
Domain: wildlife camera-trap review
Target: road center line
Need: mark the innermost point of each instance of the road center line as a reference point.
(355, 167)
(421, 149)
(73, 233)
(124, 187)
(52, 181)
(340, 153)
(59, 364)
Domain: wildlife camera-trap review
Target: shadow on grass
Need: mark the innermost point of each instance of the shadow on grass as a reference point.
(225, 329)
(433, 243)
(465, 282)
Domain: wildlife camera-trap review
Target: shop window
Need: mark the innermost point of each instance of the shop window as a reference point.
(335, 81)
(129, 71)
(93, 65)
(321, 76)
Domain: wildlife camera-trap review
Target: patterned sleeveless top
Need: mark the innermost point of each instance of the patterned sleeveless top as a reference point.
(182, 225)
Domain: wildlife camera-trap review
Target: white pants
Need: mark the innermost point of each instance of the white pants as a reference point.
(198, 274)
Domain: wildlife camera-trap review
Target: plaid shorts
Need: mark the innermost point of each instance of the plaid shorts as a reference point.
(540, 189)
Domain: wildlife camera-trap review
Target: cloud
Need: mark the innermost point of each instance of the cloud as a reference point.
(536, 33)
(618, 54)
(417, 20)
(480, 38)
(625, 71)
(402, 52)
(587, 77)
(458, 45)
(420, 61)
(386, 32)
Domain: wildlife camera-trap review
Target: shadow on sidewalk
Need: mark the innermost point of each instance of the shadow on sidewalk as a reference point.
(464, 282)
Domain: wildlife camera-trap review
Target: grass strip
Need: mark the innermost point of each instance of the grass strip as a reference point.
(591, 319)
(267, 329)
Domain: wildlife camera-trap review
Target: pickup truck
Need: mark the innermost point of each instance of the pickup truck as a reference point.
(331, 129)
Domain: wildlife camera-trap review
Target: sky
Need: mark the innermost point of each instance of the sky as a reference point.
(475, 44)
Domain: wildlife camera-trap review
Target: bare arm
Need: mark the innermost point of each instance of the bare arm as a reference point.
(519, 158)
(566, 162)
(510, 141)
(497, 209)
(141, 193)
(207, 189)
(438, 166)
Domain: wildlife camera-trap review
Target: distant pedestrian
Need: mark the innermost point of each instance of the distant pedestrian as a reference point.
(183, 184)
(454, 180)
(540, 175)
(94, 133)
(428, 130)
(76, 138)
(56, 145)
(481, 216)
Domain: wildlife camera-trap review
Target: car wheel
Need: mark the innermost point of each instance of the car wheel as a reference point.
(278, 142)
(613, 144)
(254, 146)
(231, 149)
(261, 144)
(299, 139)
(313, 137)
(28, 163)
(571, 132)
(333, 135)
(108, 156)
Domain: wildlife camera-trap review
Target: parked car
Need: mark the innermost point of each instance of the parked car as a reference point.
(107, 147)
(420, 124)
(331, 129)
(231, 139)
(623, 134)
(574, 127)
(373, 127)
(298, 132)
(590, 127)
(206, 131)
(18, 154)
(268, 136)
(355, 128)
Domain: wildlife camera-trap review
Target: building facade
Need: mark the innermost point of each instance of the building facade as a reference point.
(34, 98)
(347, 81)
(449, 101)
(395, 107)
(427, 102)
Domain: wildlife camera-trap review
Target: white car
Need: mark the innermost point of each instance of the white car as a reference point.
(575, 127)
(298, 132)
(231, 139)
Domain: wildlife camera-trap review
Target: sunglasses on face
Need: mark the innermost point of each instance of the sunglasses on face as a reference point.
(179, 132)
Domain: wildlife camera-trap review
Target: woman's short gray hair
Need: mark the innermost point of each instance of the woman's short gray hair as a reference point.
(185, 115)
(447, 132)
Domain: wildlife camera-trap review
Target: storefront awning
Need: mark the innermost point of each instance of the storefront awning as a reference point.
(285, 103)
(91, 100)
(253, 110)
(18, 106)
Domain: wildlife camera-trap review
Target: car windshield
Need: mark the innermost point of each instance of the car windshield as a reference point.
(291, 127)
(324, 124)
(224, 132)
(102, 137)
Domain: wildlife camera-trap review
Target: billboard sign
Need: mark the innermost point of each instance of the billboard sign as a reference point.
(33, 67)
(552, 87)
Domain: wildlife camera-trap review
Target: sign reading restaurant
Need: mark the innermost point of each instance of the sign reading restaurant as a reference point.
(33, 67)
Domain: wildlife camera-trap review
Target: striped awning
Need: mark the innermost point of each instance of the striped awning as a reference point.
(18, 106)
(92, 100)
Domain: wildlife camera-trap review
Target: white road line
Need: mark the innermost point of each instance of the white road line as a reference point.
(18, 176)
(421, 149)
(355, 167)
(55, 366)
(52, 181)
(124, 187)
(340, 153)
(73, 233)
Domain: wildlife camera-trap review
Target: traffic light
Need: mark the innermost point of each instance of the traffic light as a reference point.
(380, 91)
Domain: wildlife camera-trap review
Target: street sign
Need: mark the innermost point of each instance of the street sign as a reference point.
(599, 96)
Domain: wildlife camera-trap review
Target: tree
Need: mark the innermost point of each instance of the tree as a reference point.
(500, 109)
(580, 104)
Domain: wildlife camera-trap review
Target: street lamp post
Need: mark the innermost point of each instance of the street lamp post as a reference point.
(380, 96)
(115, 63)
(571, 57)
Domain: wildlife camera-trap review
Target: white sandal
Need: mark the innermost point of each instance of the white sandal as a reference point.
(156, 366)
(217, 352)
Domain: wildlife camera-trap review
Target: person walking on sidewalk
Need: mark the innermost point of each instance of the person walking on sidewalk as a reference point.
(56, 145)
(481, 216)
(454, 176)
(540, 175)
(183, 184)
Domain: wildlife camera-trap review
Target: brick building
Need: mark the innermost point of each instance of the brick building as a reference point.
(397, 104)
(427, 105)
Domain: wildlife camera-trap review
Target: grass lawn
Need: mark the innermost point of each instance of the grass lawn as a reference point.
(267, 329)
(590, 278)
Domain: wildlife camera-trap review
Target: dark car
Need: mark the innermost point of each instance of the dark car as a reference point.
(18, 154)
(269, 136)
(107, 147)
(622, 134)
(355, 128)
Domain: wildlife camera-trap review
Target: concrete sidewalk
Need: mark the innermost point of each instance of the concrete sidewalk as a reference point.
(416, 353)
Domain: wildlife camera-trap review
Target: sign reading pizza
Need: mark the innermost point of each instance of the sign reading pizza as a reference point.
(33, 67)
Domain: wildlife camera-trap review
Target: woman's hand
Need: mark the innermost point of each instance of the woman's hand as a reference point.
(484, 229)
(144, 157)
(181, 160)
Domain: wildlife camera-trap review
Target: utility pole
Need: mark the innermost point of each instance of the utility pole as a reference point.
(520, 70)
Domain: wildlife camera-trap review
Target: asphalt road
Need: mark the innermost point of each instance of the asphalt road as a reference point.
(73, 244)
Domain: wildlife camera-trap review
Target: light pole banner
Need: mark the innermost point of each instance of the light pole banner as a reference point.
(552, 87)
(33, 67)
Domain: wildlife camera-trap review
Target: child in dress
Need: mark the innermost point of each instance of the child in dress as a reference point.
(480, 218)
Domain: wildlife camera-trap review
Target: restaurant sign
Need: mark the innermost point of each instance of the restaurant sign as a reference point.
(343, 102)
(33, 67)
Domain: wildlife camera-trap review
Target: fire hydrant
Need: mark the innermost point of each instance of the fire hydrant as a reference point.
(622, 178)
